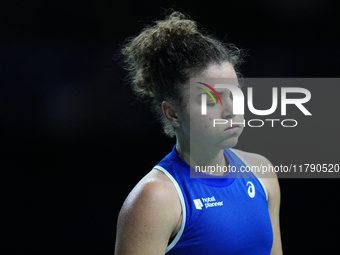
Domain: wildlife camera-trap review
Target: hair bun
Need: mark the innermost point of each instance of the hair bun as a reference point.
(168, 32)
(176, 26)
(144, 50)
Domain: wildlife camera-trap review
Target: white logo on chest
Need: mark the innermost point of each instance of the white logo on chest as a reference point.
(208, 202)
(251, 189)
(198, 204)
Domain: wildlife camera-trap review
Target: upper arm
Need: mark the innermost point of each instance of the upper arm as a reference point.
(146, 220)
(274, 200)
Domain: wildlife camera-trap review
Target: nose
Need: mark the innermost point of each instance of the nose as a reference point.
(227, 108)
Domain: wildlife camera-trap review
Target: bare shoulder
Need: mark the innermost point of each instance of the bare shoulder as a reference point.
(269, 179)
(149, 216)
(153, 187)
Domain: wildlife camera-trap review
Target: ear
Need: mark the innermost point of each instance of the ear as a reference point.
(170, 113)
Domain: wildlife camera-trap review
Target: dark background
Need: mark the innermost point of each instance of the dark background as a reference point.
(75, 141)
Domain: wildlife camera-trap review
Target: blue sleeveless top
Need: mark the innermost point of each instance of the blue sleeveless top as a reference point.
(221, 215)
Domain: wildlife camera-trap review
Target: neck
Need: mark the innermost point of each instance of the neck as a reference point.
(201, 156)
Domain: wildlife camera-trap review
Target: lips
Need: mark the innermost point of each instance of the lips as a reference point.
(235, 129)
(233, 126)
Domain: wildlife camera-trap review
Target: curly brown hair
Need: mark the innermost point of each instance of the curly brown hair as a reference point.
(164, 56)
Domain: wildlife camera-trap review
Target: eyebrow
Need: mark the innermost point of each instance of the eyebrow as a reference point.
(219, 93)
(213, 94)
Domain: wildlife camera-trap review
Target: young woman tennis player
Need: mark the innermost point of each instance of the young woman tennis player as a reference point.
(168, 212)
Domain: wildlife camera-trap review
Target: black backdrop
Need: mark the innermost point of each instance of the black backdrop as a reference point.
(75, 141)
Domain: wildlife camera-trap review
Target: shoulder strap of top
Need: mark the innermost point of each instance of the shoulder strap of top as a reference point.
(181, 198)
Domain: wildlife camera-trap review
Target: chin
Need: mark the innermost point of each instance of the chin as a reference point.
(229, 143)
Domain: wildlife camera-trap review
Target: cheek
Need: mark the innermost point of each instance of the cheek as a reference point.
(192, 117)
(206, 125)
(200, 126)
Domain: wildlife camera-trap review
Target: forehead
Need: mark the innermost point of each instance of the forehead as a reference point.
(214, 74)
(225, 70)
